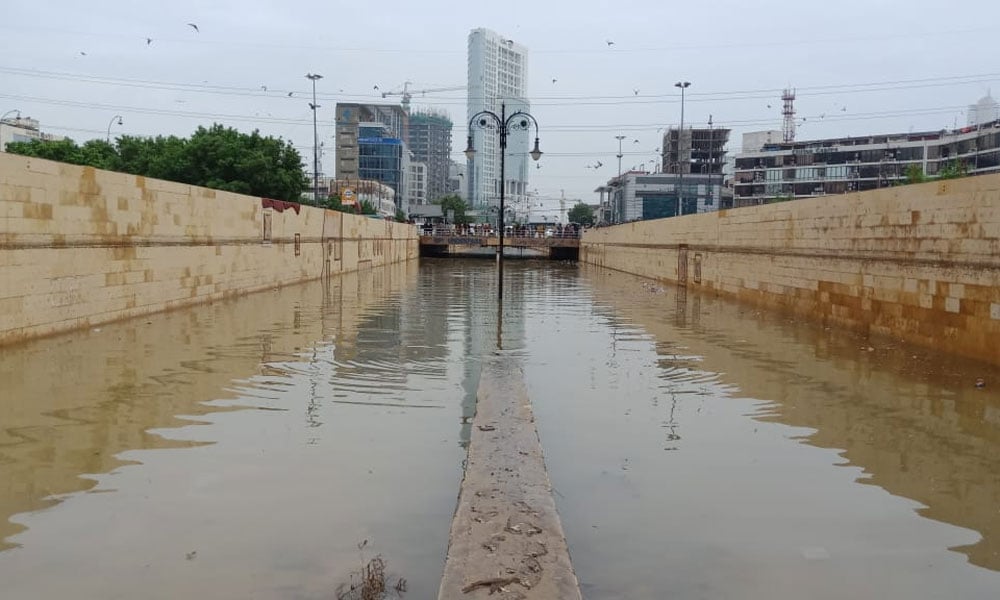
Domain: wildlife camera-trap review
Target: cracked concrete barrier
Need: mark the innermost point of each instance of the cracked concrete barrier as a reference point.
(506, 539)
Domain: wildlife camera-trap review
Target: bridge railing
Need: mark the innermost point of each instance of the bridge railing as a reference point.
(478, 231)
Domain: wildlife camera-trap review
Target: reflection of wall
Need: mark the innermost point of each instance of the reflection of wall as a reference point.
(79, 246)
(71, 403)
(913, 421)
(921, 262)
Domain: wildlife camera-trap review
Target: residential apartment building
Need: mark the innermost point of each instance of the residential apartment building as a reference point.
(639, 196)
(497, 80)
(430, 142)
(456, 181)
(372, 144)
(417, 184)
(806, 169)
(22, 129)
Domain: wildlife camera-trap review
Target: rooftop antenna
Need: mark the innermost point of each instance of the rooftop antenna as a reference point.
(788, 110)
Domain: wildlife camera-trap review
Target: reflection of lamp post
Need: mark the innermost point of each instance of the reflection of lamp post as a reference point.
(683, 85)
(518, 121)
(313, 77)
(114, 119)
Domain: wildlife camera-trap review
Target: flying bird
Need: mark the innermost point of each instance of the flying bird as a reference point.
(844, 109)
(375, 87)
(149, 41)
(610, 43)
(635, 91)
(553, 80)
(313, 106)
(769, 106)
(195, 27)
(635, 141)
(263, 87)
(290, 94)
(83, 54)
(599, 165)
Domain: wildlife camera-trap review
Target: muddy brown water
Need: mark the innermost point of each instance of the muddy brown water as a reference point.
(698, 448)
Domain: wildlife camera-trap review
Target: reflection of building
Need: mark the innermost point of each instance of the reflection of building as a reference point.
(430, 142)
(837, 165)
(498, 73)
(371, 144)
(638, 196)
(22, 130)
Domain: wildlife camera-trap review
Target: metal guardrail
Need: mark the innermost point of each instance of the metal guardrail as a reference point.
(565, 233)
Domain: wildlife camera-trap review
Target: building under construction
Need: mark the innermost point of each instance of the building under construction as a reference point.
(430, 142)
(694, 150)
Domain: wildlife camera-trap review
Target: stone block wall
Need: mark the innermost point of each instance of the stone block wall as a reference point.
(918, 262)
(81, 246)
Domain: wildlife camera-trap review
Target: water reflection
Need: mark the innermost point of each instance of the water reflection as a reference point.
(644, 410)
(243, 448)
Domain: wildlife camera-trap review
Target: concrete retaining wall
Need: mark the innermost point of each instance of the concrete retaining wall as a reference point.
(918, 262)
(80, 246)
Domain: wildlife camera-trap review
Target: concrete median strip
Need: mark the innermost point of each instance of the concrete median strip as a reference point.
(506, 539)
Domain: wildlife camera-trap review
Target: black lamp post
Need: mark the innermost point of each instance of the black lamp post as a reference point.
(518, 121)
(313, 77)
(683, 85)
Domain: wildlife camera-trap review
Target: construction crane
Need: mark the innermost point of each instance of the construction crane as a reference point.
(407, 93)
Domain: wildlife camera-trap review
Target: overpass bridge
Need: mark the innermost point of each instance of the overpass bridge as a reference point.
(447, 241)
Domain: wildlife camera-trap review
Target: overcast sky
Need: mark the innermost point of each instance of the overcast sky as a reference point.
(859, 67)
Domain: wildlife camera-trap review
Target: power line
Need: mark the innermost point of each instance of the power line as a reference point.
(667, 98)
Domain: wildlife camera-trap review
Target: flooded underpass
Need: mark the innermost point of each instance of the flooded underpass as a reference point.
(270, 445)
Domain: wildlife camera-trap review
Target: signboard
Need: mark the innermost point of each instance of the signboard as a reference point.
(347, 197)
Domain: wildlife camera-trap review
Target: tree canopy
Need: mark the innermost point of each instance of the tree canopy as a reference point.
(456, 204)
(581, 213)
(218, 157)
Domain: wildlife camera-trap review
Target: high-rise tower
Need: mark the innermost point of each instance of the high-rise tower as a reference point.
(498, 74)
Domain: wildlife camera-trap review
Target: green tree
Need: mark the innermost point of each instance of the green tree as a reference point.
(367, 208)
(953, 170)
(217, 157)
(400, 216)
(456, 204)
(62, 150)
(581, 213)
(915, 174)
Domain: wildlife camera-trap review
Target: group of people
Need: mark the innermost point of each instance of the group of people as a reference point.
(559, 230)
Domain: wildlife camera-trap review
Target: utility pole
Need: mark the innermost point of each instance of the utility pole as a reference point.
(683, 85)
(711, 171)
(621, 188)
(314, 106)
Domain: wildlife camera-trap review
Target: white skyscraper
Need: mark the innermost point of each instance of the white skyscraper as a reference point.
(498, 74)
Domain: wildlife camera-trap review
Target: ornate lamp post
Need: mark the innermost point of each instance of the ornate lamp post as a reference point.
(517, 121)
(115, 119)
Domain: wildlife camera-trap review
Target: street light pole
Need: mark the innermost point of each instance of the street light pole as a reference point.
(114, 119)
(504, 124)
(4, 117)
(620, 189)
(313, 77)
(683, 85)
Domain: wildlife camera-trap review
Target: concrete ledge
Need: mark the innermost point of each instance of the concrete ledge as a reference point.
(506, 539)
